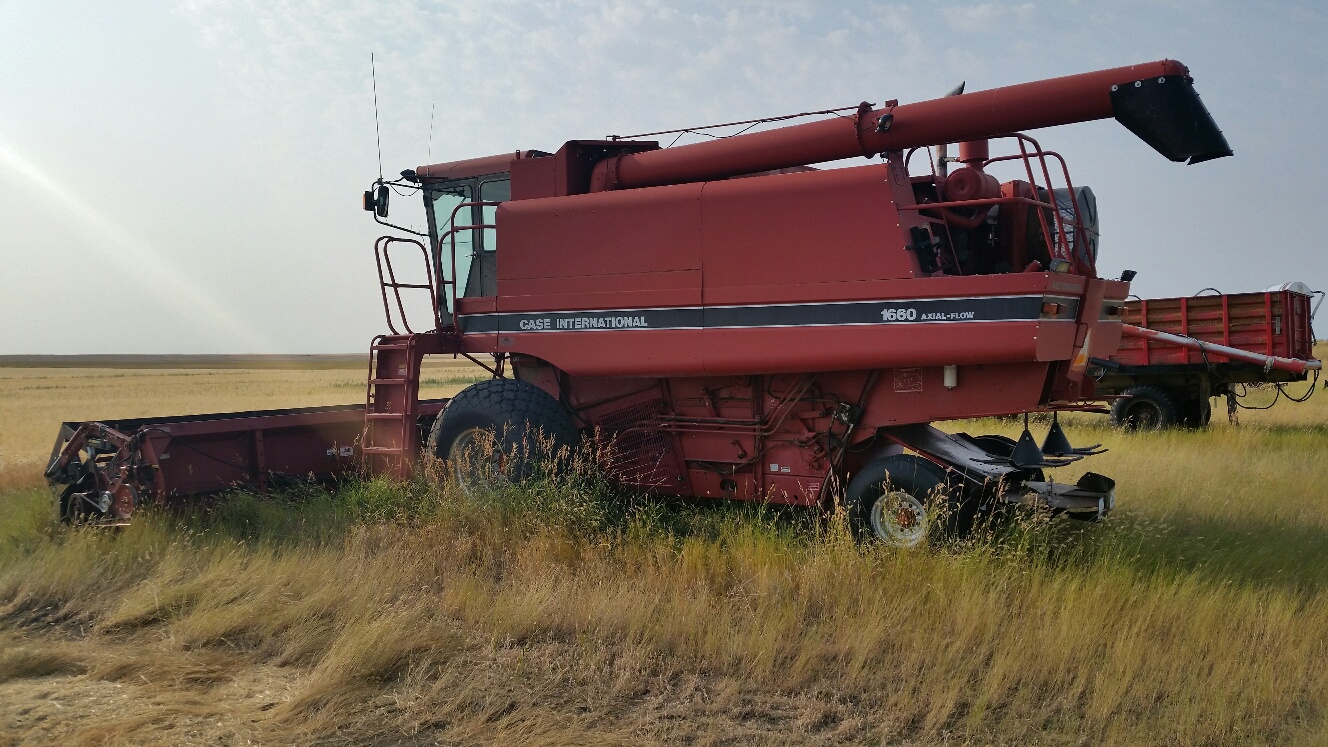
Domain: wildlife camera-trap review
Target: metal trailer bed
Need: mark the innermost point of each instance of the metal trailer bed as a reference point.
(1177, 353)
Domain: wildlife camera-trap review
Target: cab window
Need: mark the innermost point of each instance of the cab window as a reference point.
(443, 201)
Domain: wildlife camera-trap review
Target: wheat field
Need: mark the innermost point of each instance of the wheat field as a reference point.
(573, 613)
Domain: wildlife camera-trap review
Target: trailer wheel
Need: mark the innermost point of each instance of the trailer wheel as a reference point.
(1196, 413)
(895, 500)
(501, 430)
(1144, 408)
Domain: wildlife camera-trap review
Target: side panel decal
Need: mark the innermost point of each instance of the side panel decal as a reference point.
(897, 311)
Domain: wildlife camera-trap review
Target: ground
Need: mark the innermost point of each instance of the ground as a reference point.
(407, 614)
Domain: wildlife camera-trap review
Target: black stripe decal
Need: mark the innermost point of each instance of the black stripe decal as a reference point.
(919, 311)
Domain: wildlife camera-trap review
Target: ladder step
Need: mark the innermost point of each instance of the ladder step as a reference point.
(390, 346)
(394, 382)
(386, 415)
(381, 450)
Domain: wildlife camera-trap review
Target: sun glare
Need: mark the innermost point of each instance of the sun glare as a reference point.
(154, 271)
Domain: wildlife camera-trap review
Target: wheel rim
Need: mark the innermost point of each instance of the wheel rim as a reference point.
(1143, 416)
(476, 461)
(899, 520)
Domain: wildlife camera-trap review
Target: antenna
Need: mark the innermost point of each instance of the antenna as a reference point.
(378, 135)
(431, 106)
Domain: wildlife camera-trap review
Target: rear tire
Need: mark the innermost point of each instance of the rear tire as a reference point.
(1144, 408)
(501, 429)
(1195, 413)
(893, 500)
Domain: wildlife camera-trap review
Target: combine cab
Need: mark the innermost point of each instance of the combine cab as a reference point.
(739, 324)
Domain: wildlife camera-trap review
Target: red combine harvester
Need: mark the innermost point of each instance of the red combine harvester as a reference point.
(736, 323)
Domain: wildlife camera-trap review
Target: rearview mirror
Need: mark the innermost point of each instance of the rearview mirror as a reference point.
(376, 203)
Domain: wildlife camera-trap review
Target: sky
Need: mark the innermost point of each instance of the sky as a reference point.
(185, 177)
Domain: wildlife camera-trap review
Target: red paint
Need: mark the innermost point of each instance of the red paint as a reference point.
(951, 119)
(1273, 323)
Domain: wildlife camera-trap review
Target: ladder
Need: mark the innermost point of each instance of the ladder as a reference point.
(390, 444)
(391, 441)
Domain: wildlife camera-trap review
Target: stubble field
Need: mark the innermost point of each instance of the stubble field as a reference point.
(573, 614)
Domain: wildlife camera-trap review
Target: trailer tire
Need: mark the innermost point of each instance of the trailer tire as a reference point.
(1144, 408)
(1196, 413)
(895, 500)
(530, 431)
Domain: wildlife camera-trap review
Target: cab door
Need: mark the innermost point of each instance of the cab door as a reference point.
(463, 221)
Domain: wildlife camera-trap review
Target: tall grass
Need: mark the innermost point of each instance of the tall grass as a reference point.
(569, 611)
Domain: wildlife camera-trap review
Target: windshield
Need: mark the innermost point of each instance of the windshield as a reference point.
(443, 204)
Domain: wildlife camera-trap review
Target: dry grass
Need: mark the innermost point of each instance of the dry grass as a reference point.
(408, 614)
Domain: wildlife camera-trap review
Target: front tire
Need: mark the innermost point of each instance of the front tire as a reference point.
(894, 500)
(501, 430)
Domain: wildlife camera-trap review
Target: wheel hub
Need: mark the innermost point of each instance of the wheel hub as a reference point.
(1144, 416)
(477, 461)
(899, 520)
(905, 517)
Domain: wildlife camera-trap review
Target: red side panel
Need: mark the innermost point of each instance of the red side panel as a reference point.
(918, 395)
(1273, 323)
(785, 273)
(782, 233)
(736, 351)
(560, 240)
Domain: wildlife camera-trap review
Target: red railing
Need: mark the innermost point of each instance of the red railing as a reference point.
(1058, 240)
(387, 278)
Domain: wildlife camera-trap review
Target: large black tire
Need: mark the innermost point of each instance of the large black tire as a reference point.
(528, 427)
(1195, 412)
(893, 500)
(1144, 408)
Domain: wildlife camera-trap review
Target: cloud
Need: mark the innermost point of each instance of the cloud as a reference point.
(985, 17)
(577, 69)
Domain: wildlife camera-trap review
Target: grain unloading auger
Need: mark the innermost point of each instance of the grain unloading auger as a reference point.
(738, 324)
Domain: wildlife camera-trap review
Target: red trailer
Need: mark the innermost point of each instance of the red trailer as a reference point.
(1177, 353)
(741, 325)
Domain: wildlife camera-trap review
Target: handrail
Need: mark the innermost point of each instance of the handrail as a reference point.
(1057, 241)
(451, 234)
(383, 258)
(975, 203)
